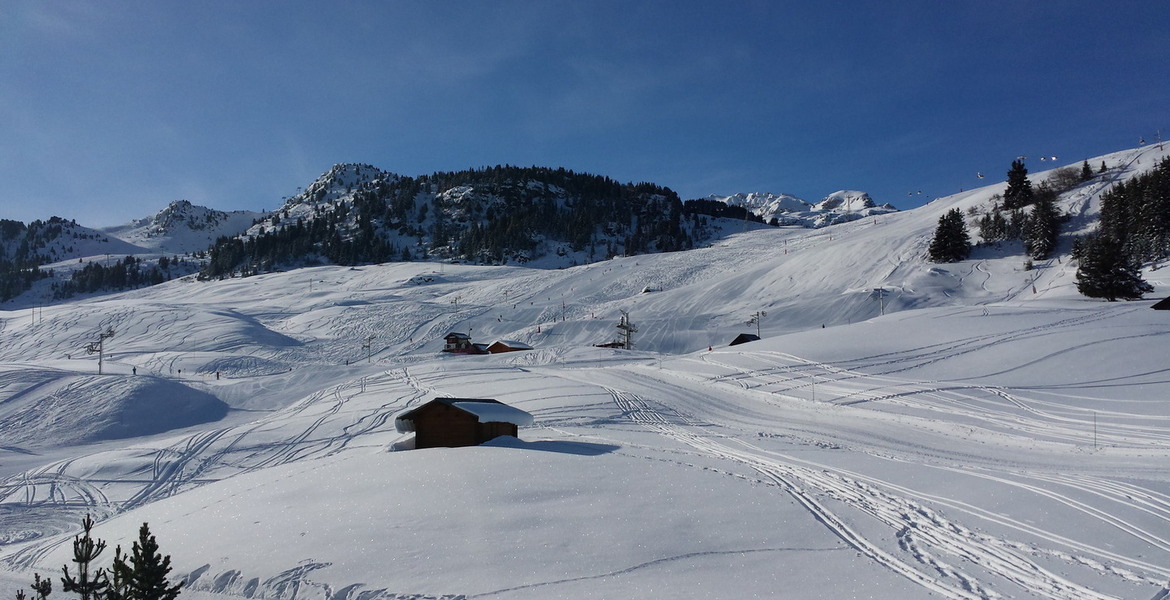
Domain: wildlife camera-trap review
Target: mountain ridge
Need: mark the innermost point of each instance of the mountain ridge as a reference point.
(355, 213)
(182, 227)
(785, 209)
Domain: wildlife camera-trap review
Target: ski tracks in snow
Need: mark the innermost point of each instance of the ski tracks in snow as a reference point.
(924, 535)
(320, 425)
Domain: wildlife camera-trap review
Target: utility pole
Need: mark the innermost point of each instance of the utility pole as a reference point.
(755, 320)
(628, 329)
(98, 347)
(881, 296)
(367, 346)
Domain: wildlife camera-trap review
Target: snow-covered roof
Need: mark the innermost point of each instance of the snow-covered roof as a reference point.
(495, 412)
(513, 344)
(487, 411)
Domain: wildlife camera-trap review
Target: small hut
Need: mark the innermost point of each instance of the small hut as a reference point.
(744, 338)
(457, 422)
(507, 346)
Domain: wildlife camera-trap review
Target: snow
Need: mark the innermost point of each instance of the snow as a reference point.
(513, 344)
(839, 207)
(183, 228)
(979, 441)
(495, 413)
(486, 411)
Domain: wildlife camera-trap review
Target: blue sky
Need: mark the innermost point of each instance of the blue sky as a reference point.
(110, 110)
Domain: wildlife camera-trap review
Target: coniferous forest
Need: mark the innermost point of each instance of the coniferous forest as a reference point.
(19, 267)
(358, 214)
(1134, 229)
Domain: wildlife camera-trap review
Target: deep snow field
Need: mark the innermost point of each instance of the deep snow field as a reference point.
(992, 435)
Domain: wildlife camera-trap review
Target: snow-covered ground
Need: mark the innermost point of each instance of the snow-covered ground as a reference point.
(993, 435)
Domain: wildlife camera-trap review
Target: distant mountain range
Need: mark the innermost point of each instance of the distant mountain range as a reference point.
(357, 213)
(785, 209)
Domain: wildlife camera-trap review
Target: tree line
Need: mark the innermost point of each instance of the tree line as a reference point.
(23, 251)
(127, 273)
(1023, 212)
(1134, 227)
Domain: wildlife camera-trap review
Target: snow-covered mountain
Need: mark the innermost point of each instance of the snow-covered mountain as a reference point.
(358, 214)
(58, 258)
(992, 435)
(182, 227)
(58, 239)
(839, 207)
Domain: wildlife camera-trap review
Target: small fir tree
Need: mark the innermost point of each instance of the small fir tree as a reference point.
(1086, 171)
(42, 587)
(144, 577)
(951, 242)
(1041, 229)
(1019, 189)
(85, 551)
(118, 589)
(993, 228)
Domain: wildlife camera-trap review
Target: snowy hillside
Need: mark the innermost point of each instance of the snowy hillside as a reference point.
(838, 207)
(993, 435)
(182, 227)
(58, 239)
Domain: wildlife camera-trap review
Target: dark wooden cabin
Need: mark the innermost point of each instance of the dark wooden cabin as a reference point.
(744, 338)
(457, 422)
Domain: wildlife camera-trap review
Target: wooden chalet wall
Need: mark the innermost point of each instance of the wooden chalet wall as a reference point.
(438, 425)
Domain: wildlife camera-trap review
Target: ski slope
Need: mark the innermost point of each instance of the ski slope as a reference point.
(980, 440)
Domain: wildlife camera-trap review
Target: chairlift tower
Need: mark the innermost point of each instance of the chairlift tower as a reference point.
(98, 347)
(628, 329)
(368, 347)
(881, 298)
(755, 320)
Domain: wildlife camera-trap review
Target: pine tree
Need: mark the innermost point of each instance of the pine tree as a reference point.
(144, 577)
(42, 587)
(1106, 272)
(1086, 171)
(118, 587)
(1041, 229)
(951, 242)
(994, 227)
(1019, 188)
(85, 551)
